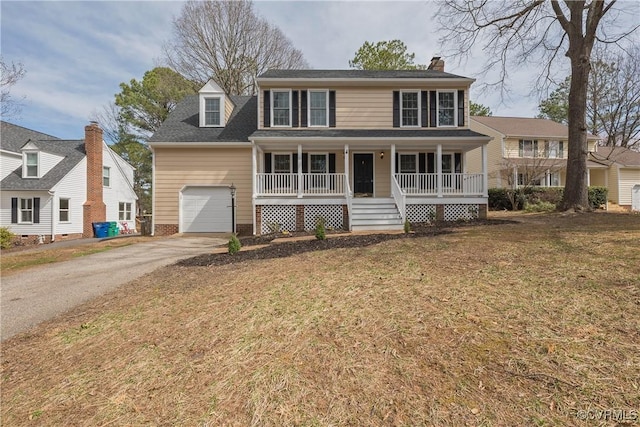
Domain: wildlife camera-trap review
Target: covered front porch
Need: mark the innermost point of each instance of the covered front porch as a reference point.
(414, 176)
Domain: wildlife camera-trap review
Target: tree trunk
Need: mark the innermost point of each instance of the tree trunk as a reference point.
(575, 191)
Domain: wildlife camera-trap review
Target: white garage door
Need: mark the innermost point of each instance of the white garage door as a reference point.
(206, 210)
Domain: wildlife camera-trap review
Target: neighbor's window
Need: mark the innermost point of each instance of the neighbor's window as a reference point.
(282, 163)
(281, 108)
(124, 211)
(528, 148)
(446, 108)
(32, 165)
(554, 179)
(318, 110)
(63, 210)
(106, 176)
(26, 210)
(410, 109)
(408, 163)
(212, 111)
(555, 149)
(318, 163)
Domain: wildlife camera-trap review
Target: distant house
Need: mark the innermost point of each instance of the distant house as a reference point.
(54, 188)
(361, 149)
(530, 151)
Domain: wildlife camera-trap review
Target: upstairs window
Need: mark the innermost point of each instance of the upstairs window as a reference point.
(555, 149)
(63, 210)
(31, 165)
(318, 108)
(212, 111)
(447, 108)
(106, 176)
(281, 108)
(410, 107)
(528, 148)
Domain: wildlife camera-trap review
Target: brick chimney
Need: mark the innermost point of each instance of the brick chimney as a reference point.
(94, 209)
(437, 64)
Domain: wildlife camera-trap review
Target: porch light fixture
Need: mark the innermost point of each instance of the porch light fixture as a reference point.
(233, 190)
(381, 155)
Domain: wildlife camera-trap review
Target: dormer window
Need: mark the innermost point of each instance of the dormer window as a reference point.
(213, 105)
(31, 165)
(212, 111)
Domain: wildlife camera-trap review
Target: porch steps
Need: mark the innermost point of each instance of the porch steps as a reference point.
(375, 214)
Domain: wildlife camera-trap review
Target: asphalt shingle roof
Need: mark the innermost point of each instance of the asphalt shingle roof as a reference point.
(357, 74)
(182, 125)
(620, 155)
(14, 137)
(368, 133)
(525, 126)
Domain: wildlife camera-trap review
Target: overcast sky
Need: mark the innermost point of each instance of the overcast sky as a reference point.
(77, 53)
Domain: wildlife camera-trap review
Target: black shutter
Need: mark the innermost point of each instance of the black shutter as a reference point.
(458, 162)
(267, 162)
(305, 162)
(424, 113)
(397, 163)
(303, 108)
(332, 162)
(36, 210)
(267, 109)
(521, 148)
(14, 210)
(422, 163)
(460, 108)
(294, 159)
(396, 109)
(431, 163)
(432, 108)
(332, 108)
(294, 109)
(535, 148)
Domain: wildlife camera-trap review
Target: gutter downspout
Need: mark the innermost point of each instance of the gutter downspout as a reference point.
(53, 215)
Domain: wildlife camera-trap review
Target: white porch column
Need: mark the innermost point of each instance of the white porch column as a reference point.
(346, 165)
(254, 170)
(393, 163)
(300, 189)
(485, 177)
(439, 168)
(588, 177)
(515, 177)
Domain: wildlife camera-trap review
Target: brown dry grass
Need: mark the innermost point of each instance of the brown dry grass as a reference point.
(517, 324)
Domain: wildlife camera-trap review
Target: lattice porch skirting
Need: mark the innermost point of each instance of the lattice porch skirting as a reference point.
(274, 218)
(447, 212)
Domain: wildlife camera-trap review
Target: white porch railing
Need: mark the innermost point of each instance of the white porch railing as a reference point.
(400, 198)
(426, 184)
(286, 184)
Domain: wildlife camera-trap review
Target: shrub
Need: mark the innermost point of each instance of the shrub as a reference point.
(552, 195)
(498, 199)
(597, 196)
(320, 229)
(540, 207)
(407, 226)
(234, 245)
(6, 238)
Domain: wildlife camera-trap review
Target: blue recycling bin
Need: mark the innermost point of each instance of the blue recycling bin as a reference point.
(100, 229)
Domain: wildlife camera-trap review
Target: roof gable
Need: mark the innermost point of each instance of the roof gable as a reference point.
(211, 87)
(29, 146)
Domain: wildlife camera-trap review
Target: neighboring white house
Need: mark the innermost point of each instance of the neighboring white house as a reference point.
(53, 188)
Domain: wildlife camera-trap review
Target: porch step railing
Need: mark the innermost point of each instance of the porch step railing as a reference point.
(400, 197)
(288, 184)
(419, 184)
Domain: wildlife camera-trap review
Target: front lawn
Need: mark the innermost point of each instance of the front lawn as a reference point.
(527, 323)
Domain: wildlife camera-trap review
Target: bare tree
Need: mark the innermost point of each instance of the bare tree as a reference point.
(536, 33)
(522, 174)
(229, 42)
(9, 75)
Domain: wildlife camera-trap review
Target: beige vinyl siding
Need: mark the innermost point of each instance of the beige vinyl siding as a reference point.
(597, 177)
(362, 107)
(628, 178)
(228, 108)
(494, 155)
(382, 174)
(613, 184)
(177, 167)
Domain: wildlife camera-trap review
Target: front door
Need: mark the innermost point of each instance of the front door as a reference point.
(363, 174)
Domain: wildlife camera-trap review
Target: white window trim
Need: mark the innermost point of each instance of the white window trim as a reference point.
(272, 98)
(402, 125)
(281, 153)
(68, 210)
(20, 199)
(534, 153)
(125, 211)
(455, 108)
(24, 164)
(109, 169)
(319, 153)
(326, 106)
(408, 154)
(203, 103)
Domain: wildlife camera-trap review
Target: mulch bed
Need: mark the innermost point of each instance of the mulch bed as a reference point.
(286, 249)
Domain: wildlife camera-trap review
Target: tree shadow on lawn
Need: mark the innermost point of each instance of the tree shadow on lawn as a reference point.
(286, 249)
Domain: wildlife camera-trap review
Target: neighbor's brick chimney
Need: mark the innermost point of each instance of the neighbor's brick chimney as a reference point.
(437, 64)
(94, 209)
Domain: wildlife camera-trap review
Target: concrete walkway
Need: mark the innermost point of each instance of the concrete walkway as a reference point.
(41, 293)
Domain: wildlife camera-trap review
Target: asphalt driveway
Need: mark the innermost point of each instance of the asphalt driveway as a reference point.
(41, 293)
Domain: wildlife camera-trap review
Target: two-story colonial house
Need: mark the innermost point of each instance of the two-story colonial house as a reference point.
(361, 149)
